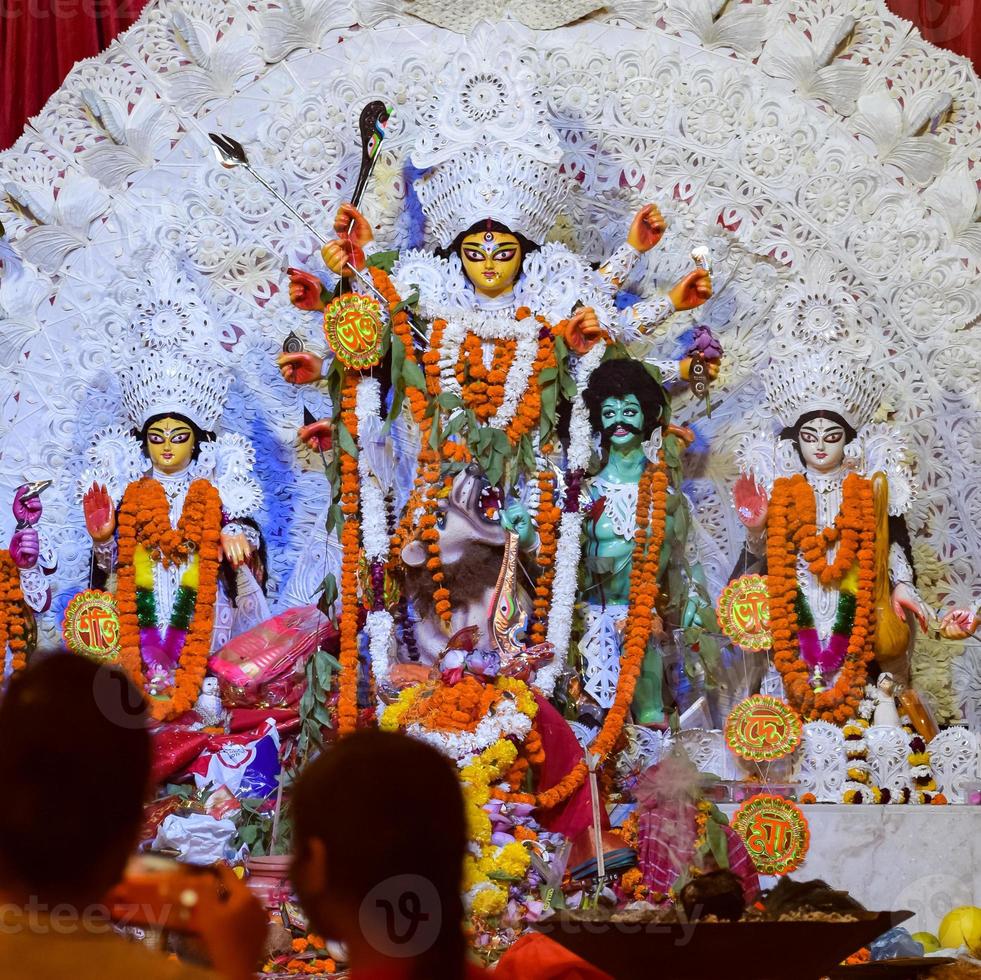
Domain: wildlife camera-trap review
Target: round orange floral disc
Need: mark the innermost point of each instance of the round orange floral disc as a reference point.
(91, 625)
(763, 728)
(774, 831)
(353, 327)
(744, 612)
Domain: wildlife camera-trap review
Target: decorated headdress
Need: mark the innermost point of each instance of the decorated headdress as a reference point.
(817, 378)
(167, 383)
(487, 147)
(170, 356)
(172, 364)
(822, 380)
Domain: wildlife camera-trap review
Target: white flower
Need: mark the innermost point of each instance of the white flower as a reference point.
(374, 518)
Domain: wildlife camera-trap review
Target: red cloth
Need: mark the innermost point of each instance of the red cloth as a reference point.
(40, 41)
(562, 753)
(535, 955)
(952, 24)
(174, 749)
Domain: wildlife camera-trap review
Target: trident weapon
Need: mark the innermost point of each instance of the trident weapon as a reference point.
(230, 154)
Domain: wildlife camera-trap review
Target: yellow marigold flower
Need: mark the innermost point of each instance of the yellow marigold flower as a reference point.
(489, 902)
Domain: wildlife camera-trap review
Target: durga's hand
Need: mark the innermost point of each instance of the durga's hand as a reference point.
(348, 216)
(682, 432)
(306, 290)
(752, 504)
(583, 330)
(692, 290)
(25, 546)
(516, 518)
(317, 435)
(235, 547)
(302, 368)
(905, 599)
(100, 517)
(711, 365)
(959, 624)
(647, 229)
(341, 254)
(29, 510)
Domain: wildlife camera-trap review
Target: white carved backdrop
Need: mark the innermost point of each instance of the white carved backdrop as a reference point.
(822, 149)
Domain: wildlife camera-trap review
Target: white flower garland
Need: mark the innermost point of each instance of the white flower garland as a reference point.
(568, 553)
(505, 720)
(491, 326)
(380, 628)
(374, 520)
(374, 530)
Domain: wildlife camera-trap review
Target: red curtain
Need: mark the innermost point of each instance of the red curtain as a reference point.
(952, 24)
(40, 40)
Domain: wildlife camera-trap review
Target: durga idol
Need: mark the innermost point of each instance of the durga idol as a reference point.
(169, 507)
(824, 504)
(496, 307)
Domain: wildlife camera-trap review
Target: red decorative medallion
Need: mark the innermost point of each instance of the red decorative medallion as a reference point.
(774, 831)
(353, 327)
(744, 612)
(763, 728)
(91, 625)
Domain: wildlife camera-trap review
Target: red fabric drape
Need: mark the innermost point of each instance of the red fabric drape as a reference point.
(40, 40)
(953, 24)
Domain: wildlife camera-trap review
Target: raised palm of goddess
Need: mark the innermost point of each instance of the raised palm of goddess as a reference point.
(170, 444)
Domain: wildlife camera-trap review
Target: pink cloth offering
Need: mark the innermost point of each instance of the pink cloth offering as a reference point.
(666, 845)
(267, 662)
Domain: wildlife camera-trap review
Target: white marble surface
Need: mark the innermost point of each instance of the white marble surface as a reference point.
(923, 858)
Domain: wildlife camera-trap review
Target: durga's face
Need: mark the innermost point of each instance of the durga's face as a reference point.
(822, 444)
(492, 261)
(170, 443)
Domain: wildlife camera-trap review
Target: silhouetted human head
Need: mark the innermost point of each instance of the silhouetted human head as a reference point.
(75, 766)
(617, 379)
(379, 839)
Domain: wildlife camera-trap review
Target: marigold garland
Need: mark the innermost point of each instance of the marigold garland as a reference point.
(483, 388)
(13, 614)
(549, 516)
(791, 528)
(347, 703)
(144, 523)
(426, 492)
(644, 591)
